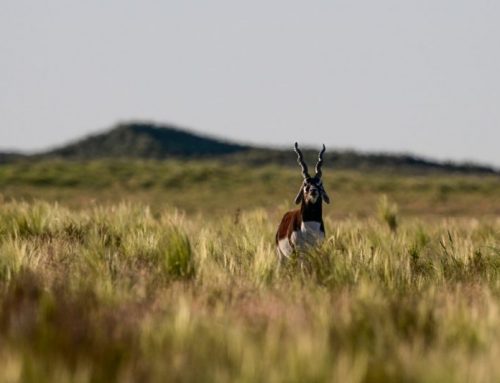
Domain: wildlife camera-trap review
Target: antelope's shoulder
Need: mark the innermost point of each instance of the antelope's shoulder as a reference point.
(293, 218)
(290, 222)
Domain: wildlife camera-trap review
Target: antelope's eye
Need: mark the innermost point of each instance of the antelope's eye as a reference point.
(307, 188)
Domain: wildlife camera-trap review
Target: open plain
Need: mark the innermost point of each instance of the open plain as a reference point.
(166, 271)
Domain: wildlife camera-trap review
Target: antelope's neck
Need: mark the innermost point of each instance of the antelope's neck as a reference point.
(312, 211)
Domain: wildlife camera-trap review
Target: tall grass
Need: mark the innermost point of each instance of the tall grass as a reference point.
(119, 293)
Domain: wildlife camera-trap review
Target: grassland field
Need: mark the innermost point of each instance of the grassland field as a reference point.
(143, 271)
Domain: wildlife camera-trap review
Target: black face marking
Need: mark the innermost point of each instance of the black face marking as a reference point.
(312, 189)
(312, 184)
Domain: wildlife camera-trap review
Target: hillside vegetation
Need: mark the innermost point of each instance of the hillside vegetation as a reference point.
(143, 140)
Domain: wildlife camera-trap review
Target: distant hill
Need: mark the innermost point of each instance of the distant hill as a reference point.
(142, 140)
(349, 159)
(6, 157)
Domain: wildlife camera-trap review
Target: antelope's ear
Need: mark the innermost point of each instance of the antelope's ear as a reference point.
(325, 196)
(300, 196)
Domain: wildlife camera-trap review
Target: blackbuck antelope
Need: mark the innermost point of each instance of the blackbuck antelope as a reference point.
(303, 228)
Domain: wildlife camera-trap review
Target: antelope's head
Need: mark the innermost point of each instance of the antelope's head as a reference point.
(312, 188)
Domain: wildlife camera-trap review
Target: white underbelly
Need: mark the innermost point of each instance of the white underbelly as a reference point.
(309, 235)
(285, 247)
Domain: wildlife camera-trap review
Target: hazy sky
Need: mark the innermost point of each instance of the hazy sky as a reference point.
(419, 76)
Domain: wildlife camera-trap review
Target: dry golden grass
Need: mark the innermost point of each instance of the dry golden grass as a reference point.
(119, 291)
